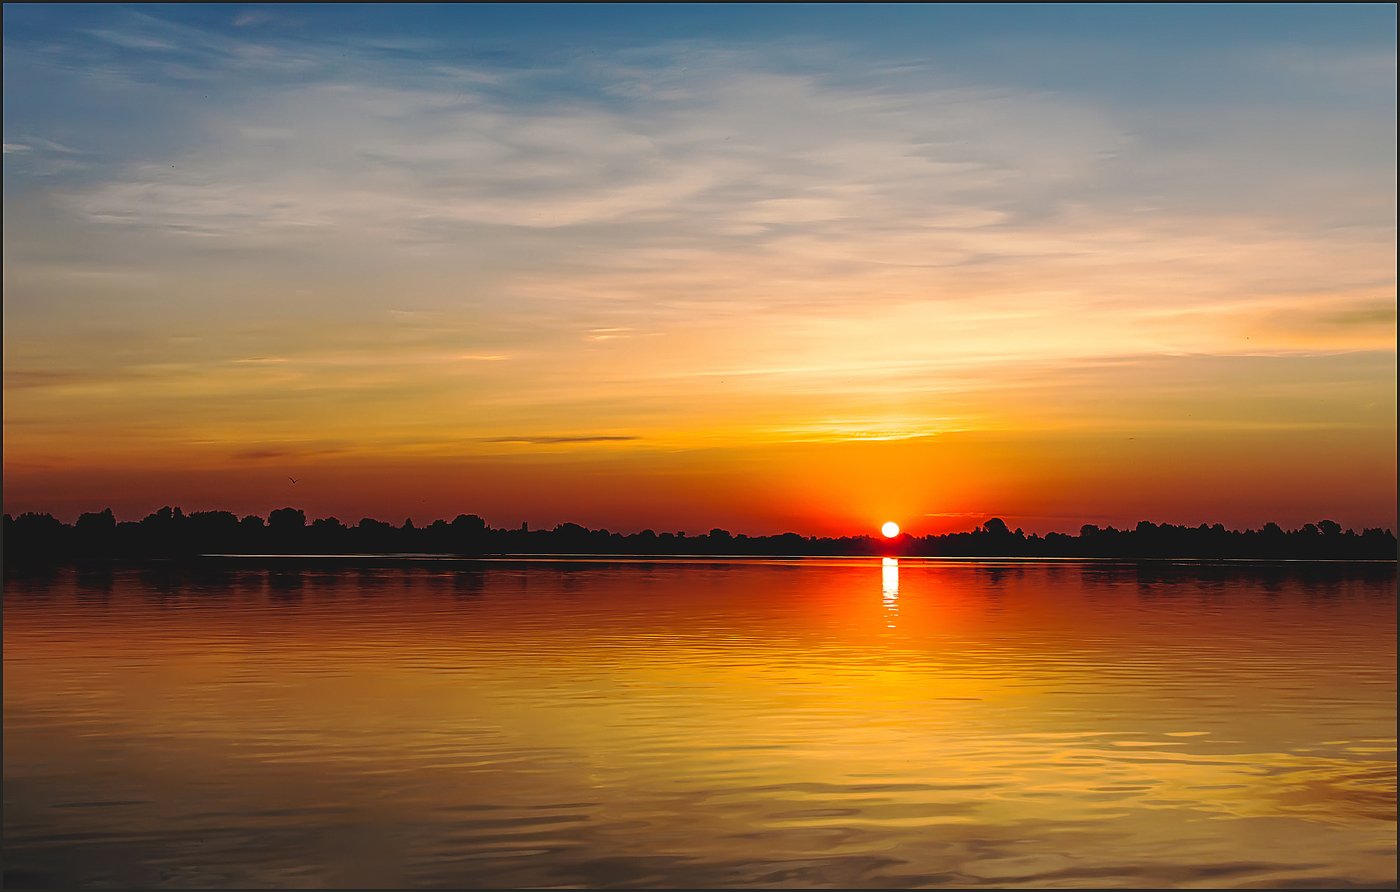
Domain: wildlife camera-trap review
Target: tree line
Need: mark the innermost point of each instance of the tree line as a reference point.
(171, 533)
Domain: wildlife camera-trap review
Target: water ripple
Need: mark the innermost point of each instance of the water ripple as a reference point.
(648, 724)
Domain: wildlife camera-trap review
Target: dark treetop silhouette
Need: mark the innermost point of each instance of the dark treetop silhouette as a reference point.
(170, 533)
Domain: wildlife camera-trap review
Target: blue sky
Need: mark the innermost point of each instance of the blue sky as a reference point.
(1127, 55)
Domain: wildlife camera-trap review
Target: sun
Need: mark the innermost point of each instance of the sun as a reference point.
(890, 529)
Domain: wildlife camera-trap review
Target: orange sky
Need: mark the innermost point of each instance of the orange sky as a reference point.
(929, 485)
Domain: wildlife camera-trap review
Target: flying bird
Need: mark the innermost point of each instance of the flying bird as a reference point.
(293, 479)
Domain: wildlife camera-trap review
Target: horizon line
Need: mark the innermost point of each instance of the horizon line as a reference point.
(308, 522)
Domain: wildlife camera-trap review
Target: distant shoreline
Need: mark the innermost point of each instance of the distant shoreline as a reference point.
(587, 557)
(171, 534)
(334, 562)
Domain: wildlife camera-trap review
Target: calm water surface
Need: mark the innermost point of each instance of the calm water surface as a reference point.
(701, 723)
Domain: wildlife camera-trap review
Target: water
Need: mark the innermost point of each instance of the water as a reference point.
(701, 723)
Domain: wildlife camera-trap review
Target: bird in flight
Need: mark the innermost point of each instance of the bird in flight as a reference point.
(293, 479)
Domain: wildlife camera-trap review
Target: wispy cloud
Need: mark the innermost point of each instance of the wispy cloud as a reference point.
(247, 18)
(299, 451)
(561, 440)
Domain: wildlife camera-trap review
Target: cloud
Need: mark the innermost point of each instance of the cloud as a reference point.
(130, 40)
(703, 160)
(301, 451)
(1374, 314)
(560, 440)
(260, 454)
(696, 185)
(24, 379)
(249, 17)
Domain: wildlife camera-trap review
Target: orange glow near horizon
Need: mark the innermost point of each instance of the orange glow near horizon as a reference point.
(1039, 483)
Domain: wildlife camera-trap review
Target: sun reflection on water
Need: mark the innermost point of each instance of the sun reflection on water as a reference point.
(889, 579)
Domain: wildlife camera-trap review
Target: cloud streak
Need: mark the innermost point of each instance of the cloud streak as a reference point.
(561, 440)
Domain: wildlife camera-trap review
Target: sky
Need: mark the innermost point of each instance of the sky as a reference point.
(677, 267)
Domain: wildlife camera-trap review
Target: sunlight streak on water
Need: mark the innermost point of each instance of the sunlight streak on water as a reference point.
(889, 584)
(700, 723)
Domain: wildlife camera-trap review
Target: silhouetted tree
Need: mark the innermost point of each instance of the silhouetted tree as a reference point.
(95, 533)
(469, 524)
(97, 522)
(286, 519)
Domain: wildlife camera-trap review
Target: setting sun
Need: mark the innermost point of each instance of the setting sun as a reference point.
(890, 529)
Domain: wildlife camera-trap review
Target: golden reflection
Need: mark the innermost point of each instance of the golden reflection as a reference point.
(601, 692)
(889, 578)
